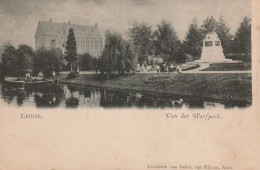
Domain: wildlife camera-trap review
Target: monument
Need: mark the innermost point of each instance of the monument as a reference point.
(212, 51)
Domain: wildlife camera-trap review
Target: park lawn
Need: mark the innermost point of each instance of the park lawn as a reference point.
(228, 66)
(235, 87)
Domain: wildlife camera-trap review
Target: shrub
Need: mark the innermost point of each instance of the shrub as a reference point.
(47, 61)
(86, 62)
(1, 71)
(73, 74)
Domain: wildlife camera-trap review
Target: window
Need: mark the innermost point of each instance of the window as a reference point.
(96, 45)
(208, 43)
(87, 45)
(82, 45)
(217, 43)
(61, 44)
(53, 44)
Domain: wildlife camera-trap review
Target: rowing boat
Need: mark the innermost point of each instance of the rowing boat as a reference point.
(32, 83)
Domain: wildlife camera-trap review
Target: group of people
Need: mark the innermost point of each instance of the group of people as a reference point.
(170, 68)
(40, 74)
(143, 68)
(160, 68)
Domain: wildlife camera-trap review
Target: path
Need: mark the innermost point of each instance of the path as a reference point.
(196, 70)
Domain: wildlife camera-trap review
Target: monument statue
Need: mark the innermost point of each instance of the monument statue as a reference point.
(212, 51)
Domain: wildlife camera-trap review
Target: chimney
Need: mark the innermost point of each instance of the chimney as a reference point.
(50, 20)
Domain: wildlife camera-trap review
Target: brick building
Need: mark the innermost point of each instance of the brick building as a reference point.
(54, 35)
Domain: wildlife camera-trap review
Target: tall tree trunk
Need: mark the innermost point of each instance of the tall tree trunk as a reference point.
(70, 66)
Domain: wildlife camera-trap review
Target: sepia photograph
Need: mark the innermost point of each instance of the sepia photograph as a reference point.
(126, 54)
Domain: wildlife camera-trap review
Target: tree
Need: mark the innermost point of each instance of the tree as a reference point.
(24, 57)
(166, 42)
(111, 53)
(85, 62)
(242, 40)
(141, 37)
(222, 30)
(71, 49)
(224, 35)
(193, 41)
(116, 56)
(9, 61)
(47, 61)
(15, 62)
(208, 25)
(130, 59)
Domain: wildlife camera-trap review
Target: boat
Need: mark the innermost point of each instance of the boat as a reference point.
(32, 83)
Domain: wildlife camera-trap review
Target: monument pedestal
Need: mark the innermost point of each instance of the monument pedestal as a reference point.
(212, 51)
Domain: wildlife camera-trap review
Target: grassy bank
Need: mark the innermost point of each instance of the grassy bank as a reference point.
(228, 66)
(220, 87)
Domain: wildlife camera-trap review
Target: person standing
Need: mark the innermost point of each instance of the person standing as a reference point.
(53, 74)
(27, 76)
(171, 68)
(40, 74)
(179, 69)
(157, 68)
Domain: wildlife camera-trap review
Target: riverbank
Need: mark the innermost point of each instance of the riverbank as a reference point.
(231, 87)
(229, 66)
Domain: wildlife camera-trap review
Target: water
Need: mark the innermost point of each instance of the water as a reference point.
(71, 96)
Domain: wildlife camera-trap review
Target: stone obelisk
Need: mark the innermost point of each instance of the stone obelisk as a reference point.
(212, 51)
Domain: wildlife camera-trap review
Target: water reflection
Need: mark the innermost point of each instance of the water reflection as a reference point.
(70, 96)
(39, 98)
(47, 99)
(196, 103)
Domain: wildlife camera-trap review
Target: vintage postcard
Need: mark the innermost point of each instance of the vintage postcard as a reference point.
(129, 84)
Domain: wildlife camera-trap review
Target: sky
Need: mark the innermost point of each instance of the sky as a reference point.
(19, 18)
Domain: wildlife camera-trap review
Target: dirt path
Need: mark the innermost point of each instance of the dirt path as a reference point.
(196, 70)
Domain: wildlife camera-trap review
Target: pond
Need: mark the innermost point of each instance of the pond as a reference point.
(72, 96)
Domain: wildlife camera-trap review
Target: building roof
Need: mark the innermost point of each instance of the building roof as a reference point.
(59, 29)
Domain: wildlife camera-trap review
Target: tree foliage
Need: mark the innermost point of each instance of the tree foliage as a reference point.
(193, 41)
(16, 61)
(166, 42)
(47, 61)
(224, 35)
(208, 25)
(1, 70)
(117, 56)
(129, 58)
(24, 57)
(86, 62)
(141, 36)
(242, 40)
(9, 61)
(71, 49)
(222, 30)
